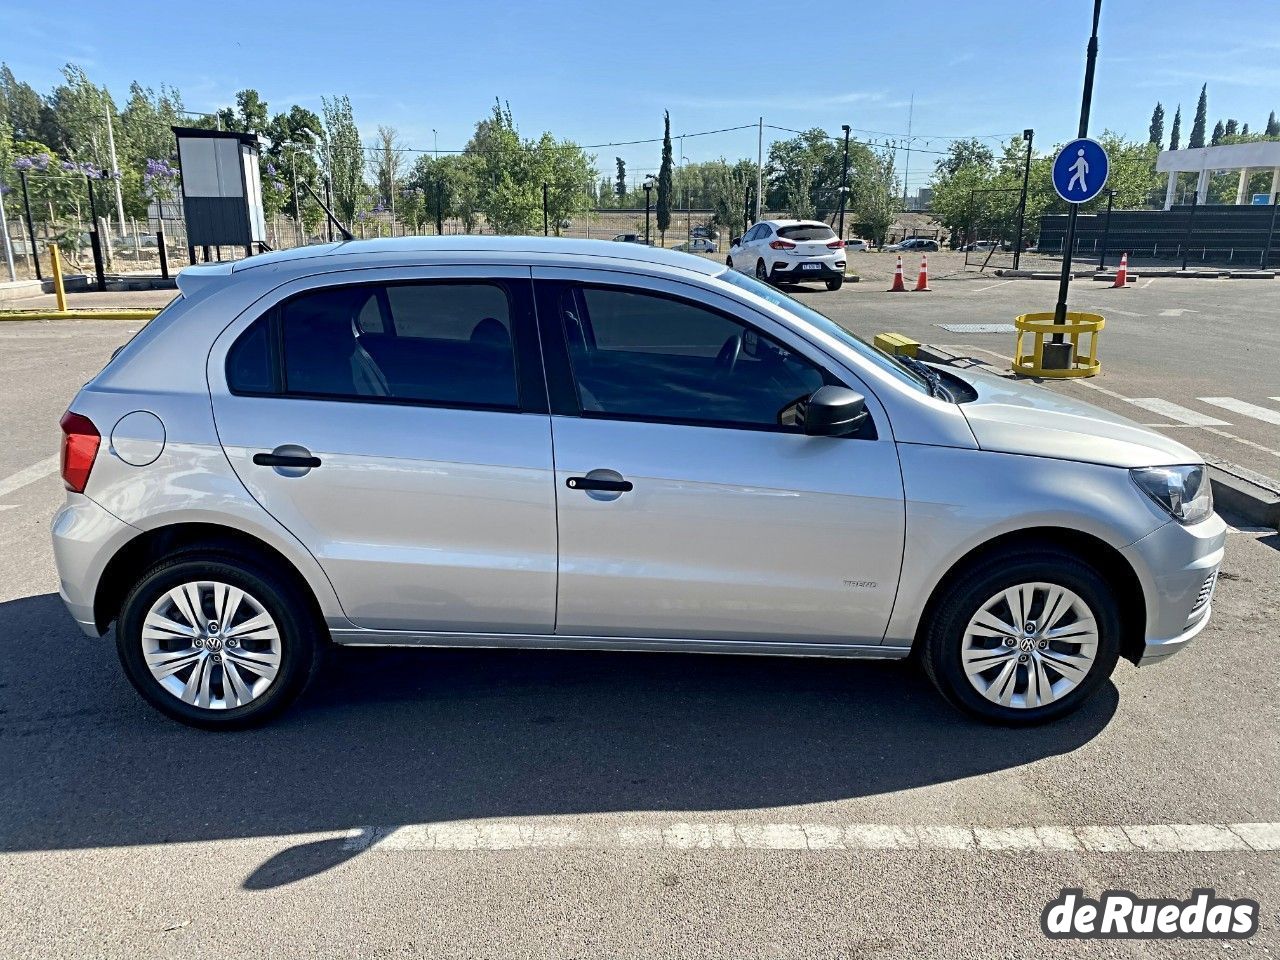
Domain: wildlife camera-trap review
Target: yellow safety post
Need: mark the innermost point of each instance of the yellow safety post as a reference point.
(1041, 325)
(58, 291)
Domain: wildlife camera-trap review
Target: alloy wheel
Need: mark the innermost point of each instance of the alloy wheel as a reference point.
(1030, 645)
(211, 645)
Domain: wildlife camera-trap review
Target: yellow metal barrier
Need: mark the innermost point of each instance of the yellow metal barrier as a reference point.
(896, 344)
(1040, 326)
(84, 314)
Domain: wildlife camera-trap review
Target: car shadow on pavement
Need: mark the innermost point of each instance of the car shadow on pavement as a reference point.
(394, 737)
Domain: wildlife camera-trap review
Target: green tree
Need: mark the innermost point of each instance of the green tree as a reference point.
(728, 190)
(292, 141)
(664, 179)
(25, 110)
(343, 156)
(620, 182)
(1198, 126)
(567, 172)
(1273, 125)
(1155, 132)
(876, 192)
(248, 116)
(963, 153)
(802, 174)
(1216, 137)
(508, 198)
(1232, 128)
(1175, 135)
(388, 159)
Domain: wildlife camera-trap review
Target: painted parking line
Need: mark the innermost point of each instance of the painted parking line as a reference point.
(37, 471)
(481, 835)
(1265, 414)
(1175, 412)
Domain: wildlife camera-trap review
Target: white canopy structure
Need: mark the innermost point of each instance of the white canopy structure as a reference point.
(1203, 161)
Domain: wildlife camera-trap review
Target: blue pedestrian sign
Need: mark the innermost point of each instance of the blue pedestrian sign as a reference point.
(1080, 170)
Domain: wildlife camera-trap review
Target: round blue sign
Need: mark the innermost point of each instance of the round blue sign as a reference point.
(1080, 170)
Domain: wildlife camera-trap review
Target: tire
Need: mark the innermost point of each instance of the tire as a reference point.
(762, 272)
(835, 284)
(268, 673)
(1036, 691)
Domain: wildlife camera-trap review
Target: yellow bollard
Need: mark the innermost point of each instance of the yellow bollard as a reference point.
(56, 257)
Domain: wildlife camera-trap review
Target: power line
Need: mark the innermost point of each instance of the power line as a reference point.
(571, 146)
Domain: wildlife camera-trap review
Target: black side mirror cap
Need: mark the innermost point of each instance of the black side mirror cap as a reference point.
(833, 411)
(733, 241)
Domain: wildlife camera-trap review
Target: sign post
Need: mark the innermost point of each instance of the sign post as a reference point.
(1079, 180)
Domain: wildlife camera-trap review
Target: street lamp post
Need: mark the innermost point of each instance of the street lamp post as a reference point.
(1106, 230)
(844, 177)
(1028, 135)
(648, 189)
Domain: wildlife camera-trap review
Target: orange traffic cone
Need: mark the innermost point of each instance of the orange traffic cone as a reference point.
(922, 283)
(1122, 275)
(898, 285)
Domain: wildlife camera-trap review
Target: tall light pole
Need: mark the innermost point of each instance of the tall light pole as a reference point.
(759, 166)
(844, 177)
(435, 144)
(115, 171)
(1028, 135)
(648, 188)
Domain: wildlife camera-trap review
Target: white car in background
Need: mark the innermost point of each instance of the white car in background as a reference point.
(790, 251)
(699, 245)
(857, 245)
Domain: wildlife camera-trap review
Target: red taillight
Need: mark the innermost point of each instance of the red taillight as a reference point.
(80, 441)
(835, 245)
(782, 245)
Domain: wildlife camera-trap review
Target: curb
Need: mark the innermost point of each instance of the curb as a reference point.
(89, 314)
(1239, 492)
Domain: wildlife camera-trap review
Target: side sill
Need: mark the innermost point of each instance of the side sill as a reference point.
(401, 638)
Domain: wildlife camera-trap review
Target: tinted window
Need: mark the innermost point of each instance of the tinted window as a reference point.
(446, 343)
(649, 357)
(249, 361)
(807, 232)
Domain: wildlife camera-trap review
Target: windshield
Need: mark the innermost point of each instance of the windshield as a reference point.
(884, 361)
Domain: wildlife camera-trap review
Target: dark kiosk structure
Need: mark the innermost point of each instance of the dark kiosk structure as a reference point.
(221, 189)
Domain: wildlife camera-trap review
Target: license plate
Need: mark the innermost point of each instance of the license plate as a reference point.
(810, 266)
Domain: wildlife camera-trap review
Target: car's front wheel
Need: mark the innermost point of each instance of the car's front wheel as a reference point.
(1025, 638)
(762, 272)
(217, 642)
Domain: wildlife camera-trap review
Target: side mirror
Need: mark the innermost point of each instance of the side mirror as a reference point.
(833, 412)
(734, 241)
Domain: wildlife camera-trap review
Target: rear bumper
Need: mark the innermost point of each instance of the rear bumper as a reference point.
(85, 538)
(806, 270)
(1178, 567)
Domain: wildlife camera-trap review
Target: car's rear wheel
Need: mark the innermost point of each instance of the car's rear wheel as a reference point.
(217, 642)
(1025, 638)
(835, 283)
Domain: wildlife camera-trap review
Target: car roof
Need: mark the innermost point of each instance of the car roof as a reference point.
(351, 252)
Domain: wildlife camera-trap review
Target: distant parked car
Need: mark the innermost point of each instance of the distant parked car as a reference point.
(699, 245)
(923, 244)
(705, 233)
(857, 245)
(790, 251)
(980, 245)
(629, 238)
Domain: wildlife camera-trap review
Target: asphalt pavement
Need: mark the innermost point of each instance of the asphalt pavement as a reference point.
(513, 804)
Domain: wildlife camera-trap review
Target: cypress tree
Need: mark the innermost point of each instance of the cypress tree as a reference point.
(1218, 131)
(1244, 131)
(1155, 133)
(1232, 128)
(620, 184)
(1273, 125)
(664, 178)
(1175, 135)
(1202, 118)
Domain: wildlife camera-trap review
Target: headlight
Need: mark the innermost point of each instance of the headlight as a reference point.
(1183, 492)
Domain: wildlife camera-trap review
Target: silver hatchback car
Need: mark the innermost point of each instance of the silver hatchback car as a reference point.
(514, 442)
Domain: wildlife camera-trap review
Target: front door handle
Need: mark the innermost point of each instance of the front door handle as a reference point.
(286, 460)
(597, 483)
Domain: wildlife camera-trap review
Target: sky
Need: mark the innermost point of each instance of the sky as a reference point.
(603, 73)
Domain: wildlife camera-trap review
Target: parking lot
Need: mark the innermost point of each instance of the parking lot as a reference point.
(467, 803)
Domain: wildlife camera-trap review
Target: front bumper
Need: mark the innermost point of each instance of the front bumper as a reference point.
(805, 271)
(1178, 567)
(85, 538)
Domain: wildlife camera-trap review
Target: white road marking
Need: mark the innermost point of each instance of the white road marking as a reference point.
(1264, 414)
(1175, 412)
(979, 327)
(1176, 312)
(37, 471)
(992, 287)
(1124, 313)
(725, 835)
(9, 506)
(1149, 281)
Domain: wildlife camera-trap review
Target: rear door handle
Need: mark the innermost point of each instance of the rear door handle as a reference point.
(286, 460)
(595, 483)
